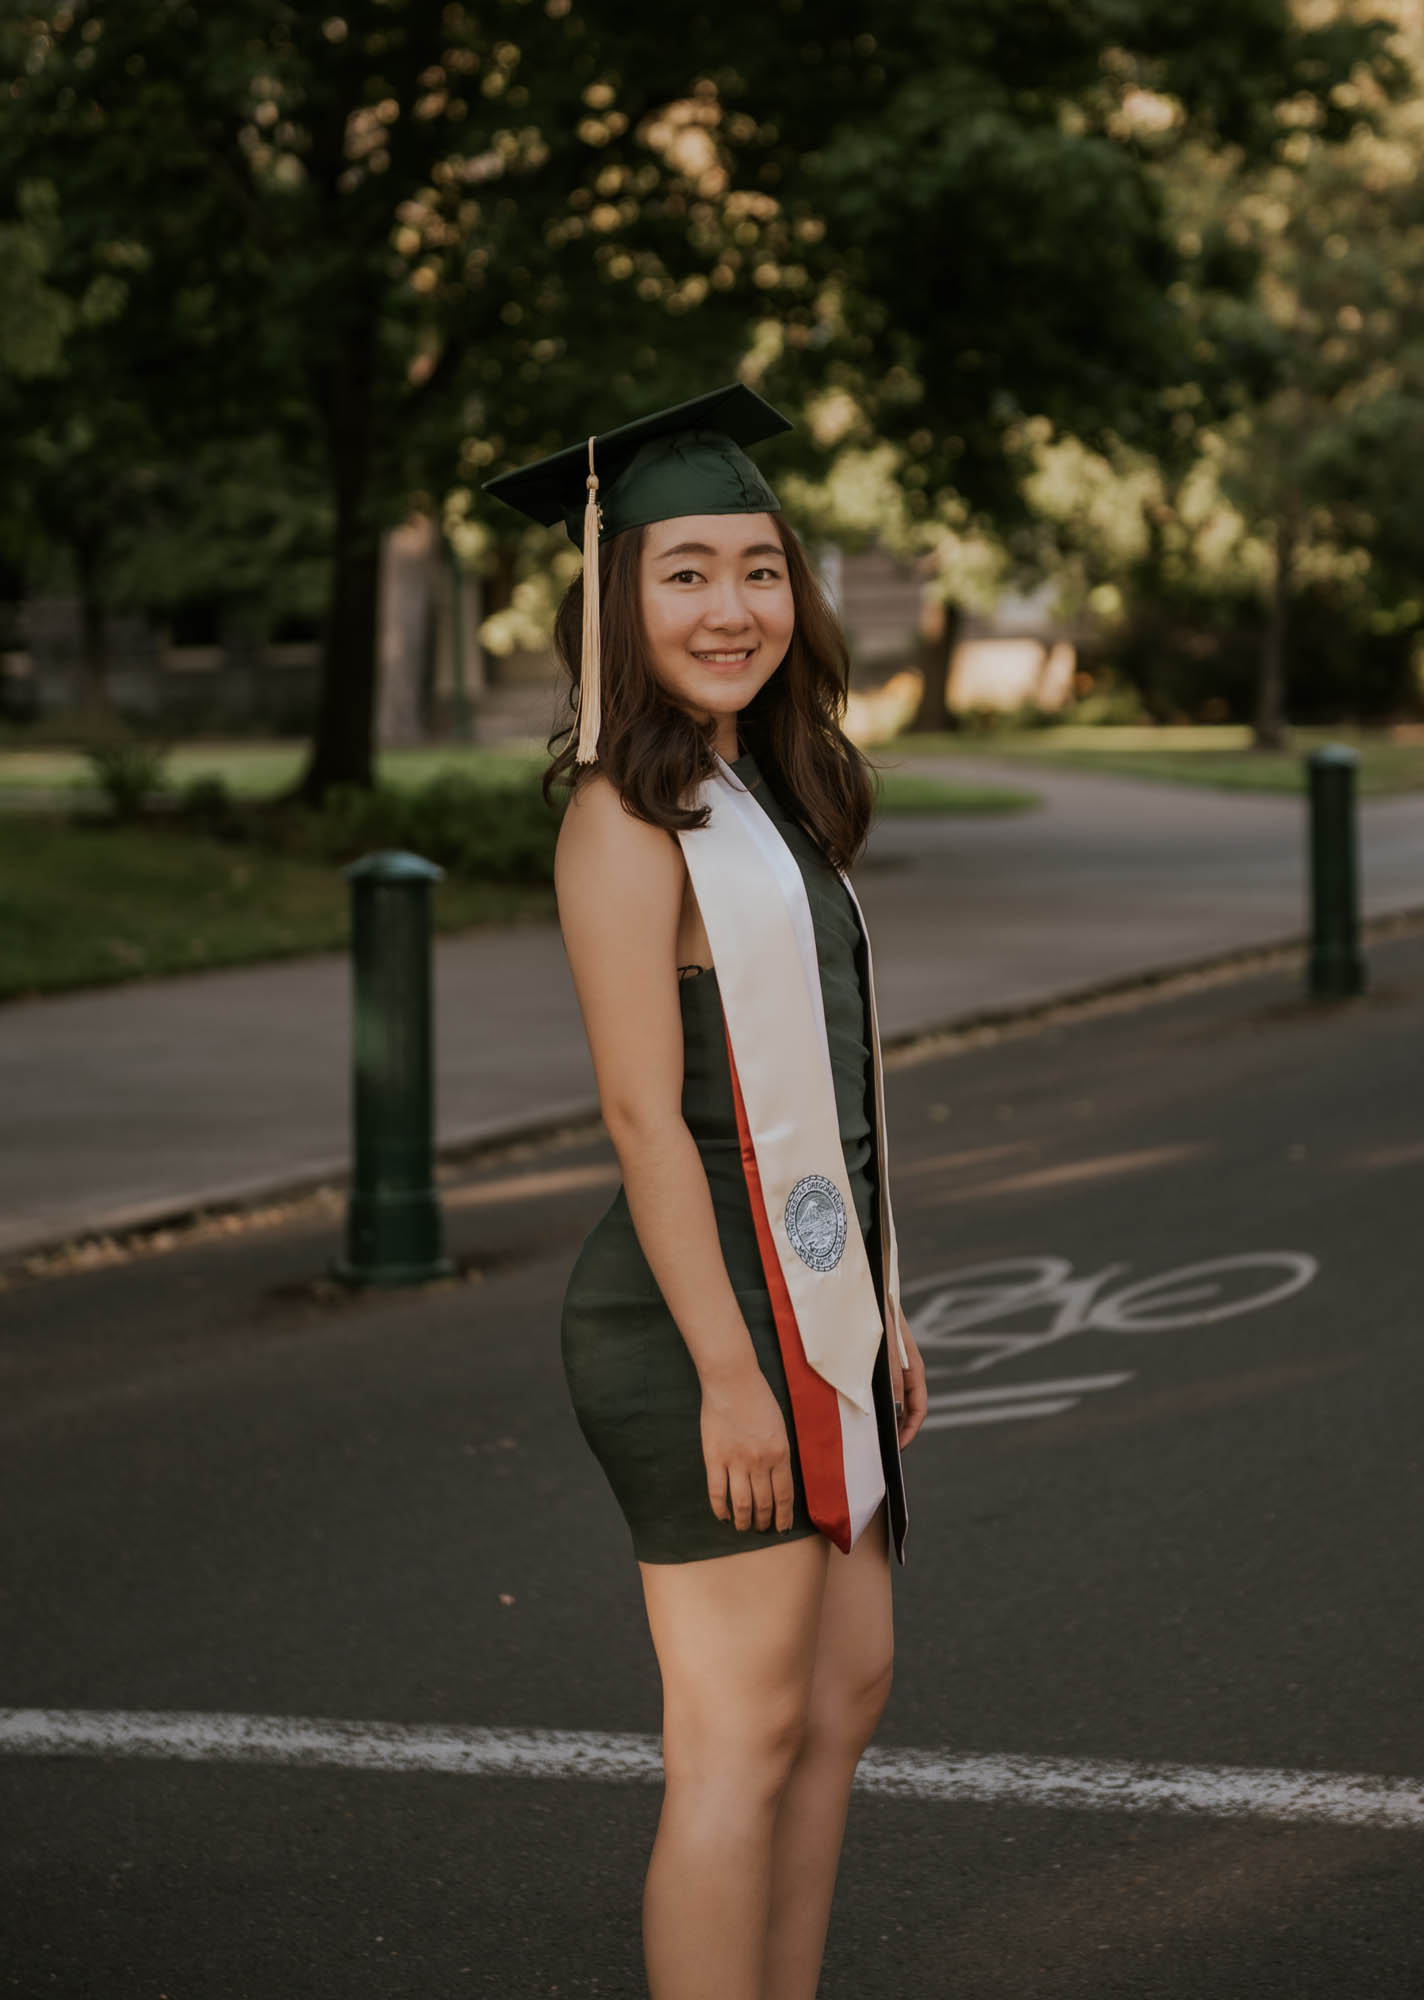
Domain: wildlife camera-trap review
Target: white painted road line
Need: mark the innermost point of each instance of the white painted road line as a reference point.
(1090, 1784)
(1069, 1385)
(952, 1409)
(992, 1413)
(1081, 1784)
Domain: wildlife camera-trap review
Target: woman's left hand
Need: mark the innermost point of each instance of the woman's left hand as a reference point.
(908, 1383)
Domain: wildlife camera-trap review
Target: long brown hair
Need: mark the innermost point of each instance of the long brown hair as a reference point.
(654, 751)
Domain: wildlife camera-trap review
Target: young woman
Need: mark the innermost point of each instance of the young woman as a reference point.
(726, 1327)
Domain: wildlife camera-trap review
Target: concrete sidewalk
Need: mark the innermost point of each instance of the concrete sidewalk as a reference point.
(128, 1103)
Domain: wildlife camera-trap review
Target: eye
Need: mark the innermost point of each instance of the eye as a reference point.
(773, 574)
(678, 575)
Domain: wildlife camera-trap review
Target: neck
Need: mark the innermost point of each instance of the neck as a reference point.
(725, 740)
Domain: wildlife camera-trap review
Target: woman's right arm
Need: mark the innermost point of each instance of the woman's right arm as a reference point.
(619, 883)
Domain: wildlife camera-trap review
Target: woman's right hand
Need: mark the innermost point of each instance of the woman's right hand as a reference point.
(746, 1451)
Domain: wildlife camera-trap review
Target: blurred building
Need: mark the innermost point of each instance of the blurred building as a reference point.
(1020, 654)
(199, 670)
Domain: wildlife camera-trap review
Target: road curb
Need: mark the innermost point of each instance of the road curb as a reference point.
(1126, 990)
(117, 1231)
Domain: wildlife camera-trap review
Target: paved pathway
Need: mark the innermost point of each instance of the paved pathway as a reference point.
(126, 1102)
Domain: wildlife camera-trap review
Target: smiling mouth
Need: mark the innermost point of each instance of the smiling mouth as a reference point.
(726, 659)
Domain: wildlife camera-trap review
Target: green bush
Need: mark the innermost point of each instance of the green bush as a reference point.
(478, 831)
(1110, 700)
(209, 807)
(983, 719)
(492, 833)
(127, 766)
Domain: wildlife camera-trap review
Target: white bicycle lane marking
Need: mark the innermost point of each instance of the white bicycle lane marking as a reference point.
(962, 1313)
(1336, 1798)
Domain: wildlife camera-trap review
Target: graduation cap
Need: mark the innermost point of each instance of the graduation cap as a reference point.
(688, 459)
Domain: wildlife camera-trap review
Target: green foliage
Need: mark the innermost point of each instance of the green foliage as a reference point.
(1109, 702)
(983, 719)
(396, 247)
(909, 792)
(208, 806)
(477, 830)
(482, 832)
(1192, 657)
(35, 318)
(997, 240)
(362, 255)
(127, 766)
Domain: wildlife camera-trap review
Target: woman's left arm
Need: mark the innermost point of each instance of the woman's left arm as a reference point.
(909, 1383)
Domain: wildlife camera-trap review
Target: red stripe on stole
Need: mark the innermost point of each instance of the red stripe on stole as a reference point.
(814, 1402)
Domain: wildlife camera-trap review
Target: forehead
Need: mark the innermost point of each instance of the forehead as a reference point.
(724, 534)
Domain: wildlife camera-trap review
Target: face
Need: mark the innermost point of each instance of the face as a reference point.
(717, 609)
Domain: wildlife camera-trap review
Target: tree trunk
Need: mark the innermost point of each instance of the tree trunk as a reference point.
(341, 751)
(940, 625)
(93, 627)
(1270, 726)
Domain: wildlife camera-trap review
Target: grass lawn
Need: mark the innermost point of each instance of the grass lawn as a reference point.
(1216, 755)
(92, 905)
(255, 769)
(909, 792)
(1213, 755)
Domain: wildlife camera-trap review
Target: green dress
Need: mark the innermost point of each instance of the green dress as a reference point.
(635, 1389)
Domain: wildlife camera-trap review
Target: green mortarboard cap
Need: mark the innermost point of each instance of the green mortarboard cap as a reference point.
(685, 460)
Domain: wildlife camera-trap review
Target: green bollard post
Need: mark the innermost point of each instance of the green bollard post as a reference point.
(1336, 967)
(394, 1232)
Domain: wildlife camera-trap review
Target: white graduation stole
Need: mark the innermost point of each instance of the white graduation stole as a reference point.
(754, 906)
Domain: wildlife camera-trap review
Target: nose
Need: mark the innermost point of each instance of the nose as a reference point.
(728, 610)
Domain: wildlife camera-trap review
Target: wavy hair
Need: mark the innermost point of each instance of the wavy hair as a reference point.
(654, 751)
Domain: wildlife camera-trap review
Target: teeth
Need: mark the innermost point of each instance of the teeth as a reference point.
(744, 654)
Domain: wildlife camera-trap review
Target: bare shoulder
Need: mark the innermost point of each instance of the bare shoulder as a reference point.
(596, 821)
(607, 854)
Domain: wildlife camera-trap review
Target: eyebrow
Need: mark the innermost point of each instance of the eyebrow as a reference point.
(706, 549)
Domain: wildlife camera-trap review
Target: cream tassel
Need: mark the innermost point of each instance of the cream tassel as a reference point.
(590, 667)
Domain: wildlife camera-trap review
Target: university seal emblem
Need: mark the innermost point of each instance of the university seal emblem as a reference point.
(816, 1222)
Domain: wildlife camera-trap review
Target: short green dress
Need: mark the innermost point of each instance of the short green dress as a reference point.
(635, 1388)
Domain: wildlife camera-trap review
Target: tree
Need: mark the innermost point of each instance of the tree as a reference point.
(394, 237)
(63, 414)
(1297, 449)
(1328, 421)
(414, 243)
(984, 197)
(990, 231)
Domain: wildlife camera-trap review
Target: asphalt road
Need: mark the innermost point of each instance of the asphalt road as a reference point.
(226, 1488)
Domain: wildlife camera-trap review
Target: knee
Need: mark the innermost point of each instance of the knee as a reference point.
(750, 1756)
(783, 1740)
(845, 1719)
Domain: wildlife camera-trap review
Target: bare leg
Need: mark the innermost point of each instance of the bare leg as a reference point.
(736, 1639)
(849, 1687)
